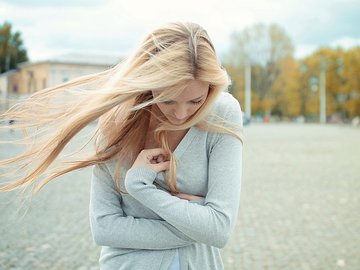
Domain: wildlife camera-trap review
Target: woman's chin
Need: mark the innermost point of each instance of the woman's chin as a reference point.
(176, 121)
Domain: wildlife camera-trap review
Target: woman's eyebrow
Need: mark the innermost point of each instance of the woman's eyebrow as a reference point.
(197, 98)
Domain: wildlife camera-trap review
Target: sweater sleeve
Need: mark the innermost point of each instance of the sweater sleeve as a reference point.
(212, 222)
(111, 227)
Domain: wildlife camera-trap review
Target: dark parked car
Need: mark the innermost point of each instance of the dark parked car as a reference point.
(246, 119)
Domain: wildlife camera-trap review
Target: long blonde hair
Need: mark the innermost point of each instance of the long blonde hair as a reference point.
(120, 99)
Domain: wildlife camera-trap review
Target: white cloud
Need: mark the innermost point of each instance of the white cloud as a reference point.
(118, 25)
(346, 42)
(304, 50)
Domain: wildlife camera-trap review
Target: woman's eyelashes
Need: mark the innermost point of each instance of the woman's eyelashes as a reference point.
(192, 102)
(168, 102)
(197, 102)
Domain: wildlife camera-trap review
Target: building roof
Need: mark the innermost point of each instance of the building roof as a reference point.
(80, 59)
(8, 73)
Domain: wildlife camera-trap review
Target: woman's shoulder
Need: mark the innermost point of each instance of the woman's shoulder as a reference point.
(227, 106)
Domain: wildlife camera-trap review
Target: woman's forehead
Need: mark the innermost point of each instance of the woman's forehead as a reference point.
(191, 91)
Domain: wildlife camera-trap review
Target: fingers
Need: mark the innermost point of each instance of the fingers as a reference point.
(151, 153)
(157, 159)
(162, 166)
(160, 158)
(154, 159)
(183, 196)
(188, 197)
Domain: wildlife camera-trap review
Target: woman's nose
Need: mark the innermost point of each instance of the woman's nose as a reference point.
(181, 112)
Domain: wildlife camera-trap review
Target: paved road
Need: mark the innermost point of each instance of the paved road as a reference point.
(299, 207)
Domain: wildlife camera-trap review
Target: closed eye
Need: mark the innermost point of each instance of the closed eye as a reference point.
(168, 102)
(192, 102)
(196, 102)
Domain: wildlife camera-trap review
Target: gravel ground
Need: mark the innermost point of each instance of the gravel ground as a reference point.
(299, 207)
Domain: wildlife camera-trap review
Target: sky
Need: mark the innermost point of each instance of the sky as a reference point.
(115, 27)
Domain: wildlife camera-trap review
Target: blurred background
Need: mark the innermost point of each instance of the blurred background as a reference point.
(289, 60)
(295, 68)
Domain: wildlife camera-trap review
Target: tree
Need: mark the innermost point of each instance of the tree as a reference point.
(264, 48)
(342, 82)
(285, 90)
(351, 82)
(12, 50)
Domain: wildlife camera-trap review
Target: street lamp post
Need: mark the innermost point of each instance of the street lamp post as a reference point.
(322, 87)
(248, 89)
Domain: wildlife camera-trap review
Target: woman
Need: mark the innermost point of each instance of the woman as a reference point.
(167, 168)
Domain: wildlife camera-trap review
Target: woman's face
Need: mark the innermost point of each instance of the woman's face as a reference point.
(181, 108)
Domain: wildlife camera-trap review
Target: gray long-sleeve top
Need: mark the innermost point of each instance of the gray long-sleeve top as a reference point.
(142, 229)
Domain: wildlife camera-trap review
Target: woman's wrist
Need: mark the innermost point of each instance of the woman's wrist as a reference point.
(138, 175)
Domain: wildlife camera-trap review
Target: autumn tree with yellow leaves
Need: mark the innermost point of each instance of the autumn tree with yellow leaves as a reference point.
(285, 87)
(351, 82)
(265, 48)
(342, 70)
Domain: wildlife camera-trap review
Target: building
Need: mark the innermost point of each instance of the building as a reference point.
(4, 82)
(30, 77)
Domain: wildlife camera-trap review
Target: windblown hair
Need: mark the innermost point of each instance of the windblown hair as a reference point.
(119, 99)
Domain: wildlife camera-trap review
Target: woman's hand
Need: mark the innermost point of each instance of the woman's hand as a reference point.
(188, 197)
(153, 159)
